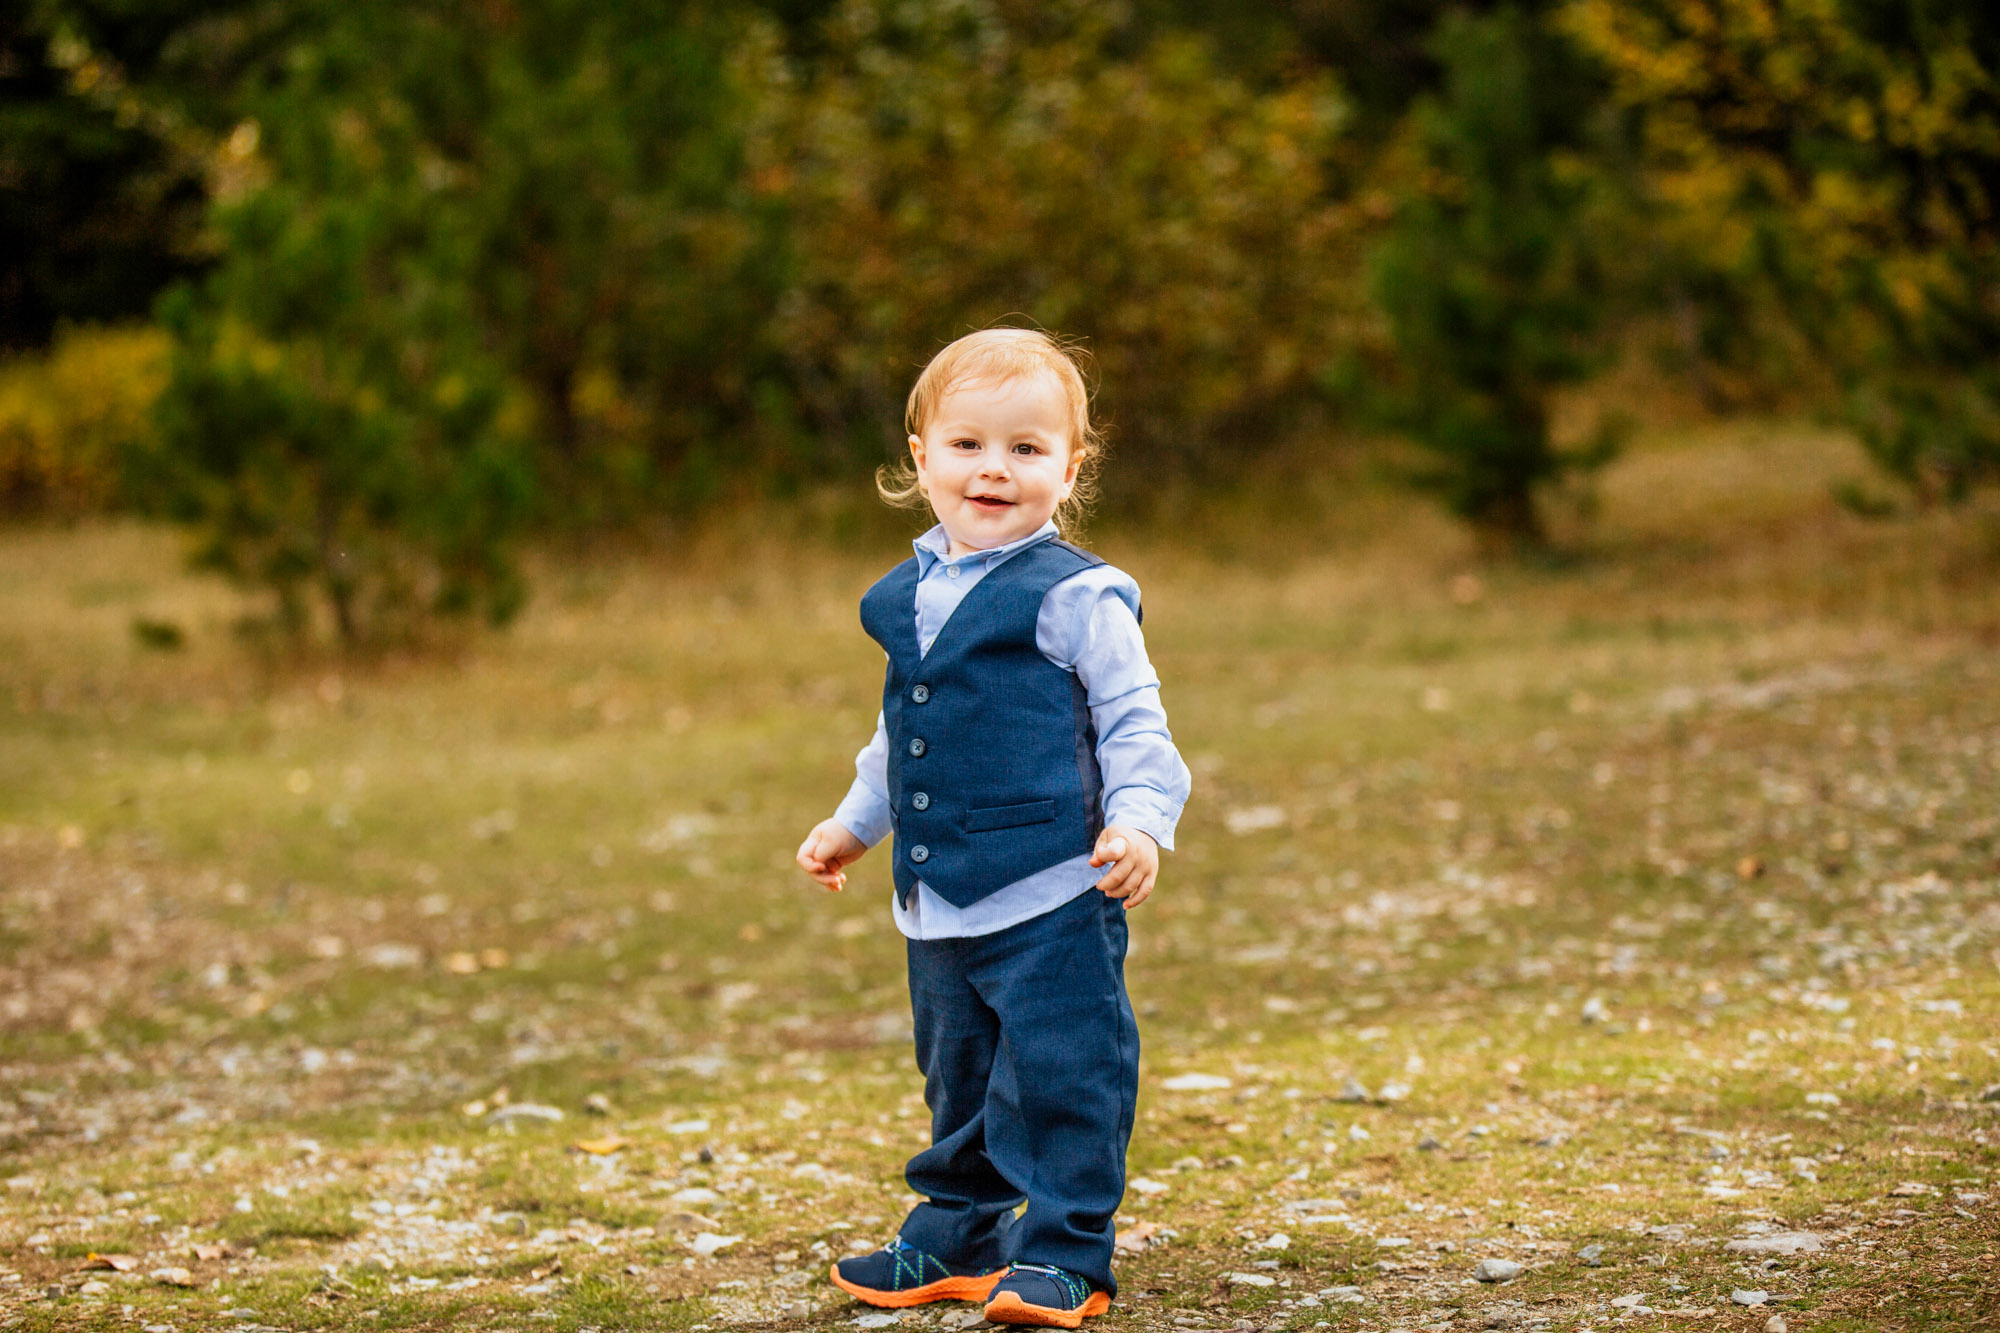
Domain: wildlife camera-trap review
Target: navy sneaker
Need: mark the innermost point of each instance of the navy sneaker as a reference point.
(898, 1275)
(1046, 1297)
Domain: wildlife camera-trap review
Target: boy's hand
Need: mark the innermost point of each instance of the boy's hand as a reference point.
(828, 848)
(1134, 859)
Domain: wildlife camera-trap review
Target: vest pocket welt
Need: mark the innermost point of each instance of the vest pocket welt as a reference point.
(1009, 816)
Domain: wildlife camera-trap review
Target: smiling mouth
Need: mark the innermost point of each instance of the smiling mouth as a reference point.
(989, 501)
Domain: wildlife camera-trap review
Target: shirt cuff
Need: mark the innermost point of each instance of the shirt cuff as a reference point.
(1151, 813)
(864, 813)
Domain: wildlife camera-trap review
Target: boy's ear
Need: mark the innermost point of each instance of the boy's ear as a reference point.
(917, 452)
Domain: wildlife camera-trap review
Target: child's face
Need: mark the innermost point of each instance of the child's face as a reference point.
(996, 459)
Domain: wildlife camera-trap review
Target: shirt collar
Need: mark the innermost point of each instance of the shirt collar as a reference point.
(933, 548)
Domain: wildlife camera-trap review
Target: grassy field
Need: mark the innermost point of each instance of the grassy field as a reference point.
(1598, 915)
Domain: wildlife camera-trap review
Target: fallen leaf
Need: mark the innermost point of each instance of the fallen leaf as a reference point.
(603, 1147)
(173, 1277)
(1133, 1240)
(122, 1263)
(688, 1221)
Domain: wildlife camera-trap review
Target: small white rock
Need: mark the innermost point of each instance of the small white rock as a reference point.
(1252, 1280)
(1742, 1297)
(515, 1112)
(708, 1243)
(1497, 1270)
(1195, 1083)
(1776, 1324)
(1781, 1243)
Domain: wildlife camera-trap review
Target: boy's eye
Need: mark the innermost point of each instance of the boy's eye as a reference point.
(965, 444)
(1026, 448)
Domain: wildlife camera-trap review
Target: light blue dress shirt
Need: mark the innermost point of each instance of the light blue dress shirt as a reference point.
(1089, 625)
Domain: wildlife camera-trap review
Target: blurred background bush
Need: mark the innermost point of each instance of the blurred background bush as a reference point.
(366, 293)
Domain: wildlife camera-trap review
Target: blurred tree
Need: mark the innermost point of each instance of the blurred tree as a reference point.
(483, 265)
(1381, 51)
(99, 206)
(1846, 155)
(113, 119)
(1488, 280)
(953, 165)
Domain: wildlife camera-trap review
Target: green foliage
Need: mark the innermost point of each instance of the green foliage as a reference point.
(72, 419)
(486, 267)
(954, 165)
(1487, 279)
(482, 270)
(359, 463)
(1846, 156)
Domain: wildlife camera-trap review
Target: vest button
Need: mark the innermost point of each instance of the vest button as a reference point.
(920, 853)
(917, 747)
(921, 801)
(920, 695)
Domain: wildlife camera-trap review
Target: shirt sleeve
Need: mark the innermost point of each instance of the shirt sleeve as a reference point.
(1089, 624)
(864, 811)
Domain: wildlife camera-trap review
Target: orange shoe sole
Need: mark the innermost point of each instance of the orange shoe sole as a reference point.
(944, 1289)
(1007, 1308)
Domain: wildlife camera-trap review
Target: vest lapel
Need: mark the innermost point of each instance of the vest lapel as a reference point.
(959, 610)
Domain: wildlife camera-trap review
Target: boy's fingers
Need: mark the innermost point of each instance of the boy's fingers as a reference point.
(1140, 885)
(1120, 872)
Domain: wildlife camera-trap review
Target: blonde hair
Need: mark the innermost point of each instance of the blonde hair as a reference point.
(1002, 354)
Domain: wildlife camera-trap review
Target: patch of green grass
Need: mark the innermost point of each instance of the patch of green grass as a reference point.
(328, 1218)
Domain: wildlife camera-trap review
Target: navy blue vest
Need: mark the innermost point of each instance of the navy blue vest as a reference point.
(992, 756)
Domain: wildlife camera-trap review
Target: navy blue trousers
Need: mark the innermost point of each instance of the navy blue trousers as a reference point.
(1030, 1056)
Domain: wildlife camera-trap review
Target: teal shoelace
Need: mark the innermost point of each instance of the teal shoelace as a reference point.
(1073, 1287)
(909, 1270)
